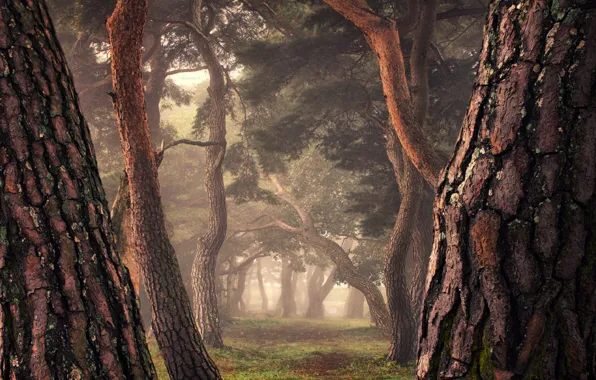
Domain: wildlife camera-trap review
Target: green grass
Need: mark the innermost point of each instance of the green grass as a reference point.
(284, 349)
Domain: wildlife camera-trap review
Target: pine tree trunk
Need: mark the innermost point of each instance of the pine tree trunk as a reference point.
(264, 298)
(512, 279)
(123, 231)
(318, 293)
(203, 270)
(68, 307)
(403, 339)
(354, 308)
(175, 332)
(286, 306)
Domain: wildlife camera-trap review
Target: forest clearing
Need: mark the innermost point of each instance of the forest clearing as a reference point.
(292, 349)
(297, 189)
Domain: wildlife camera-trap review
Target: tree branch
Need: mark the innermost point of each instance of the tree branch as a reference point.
(190, 70)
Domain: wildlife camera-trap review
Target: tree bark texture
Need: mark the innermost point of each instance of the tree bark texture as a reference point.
(123, 231)
(403, 339)
(68, 308)
(172, 321)
(317, 293)
(511, 283)
(204, 266)
(354, 308)
(262, 290)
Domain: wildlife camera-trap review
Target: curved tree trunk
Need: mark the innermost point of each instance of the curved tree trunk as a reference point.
(204, 266)
(403, 341)
(354, 308)
(68, 306)
(176, 334)
(317, 294)
(348, 272)
(264, 298)
(510, 290)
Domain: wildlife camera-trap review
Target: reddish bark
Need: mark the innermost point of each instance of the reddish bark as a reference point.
(510, 291)
(172, 321)
(68, 307)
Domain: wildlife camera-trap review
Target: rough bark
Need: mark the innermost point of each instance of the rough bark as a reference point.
(204, 266)
(123, 227)
(68, 309)
(264, 298)
(354, 308)
(403, 341)
(384, 39)
(511, 284)
(172, 322)
(317, 293)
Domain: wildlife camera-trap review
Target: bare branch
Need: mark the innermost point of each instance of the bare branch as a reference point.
(190, 70)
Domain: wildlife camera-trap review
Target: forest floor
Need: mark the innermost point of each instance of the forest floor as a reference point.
(285, 349)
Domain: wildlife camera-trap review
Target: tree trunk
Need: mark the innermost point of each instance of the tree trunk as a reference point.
(123, 226)
(68, 307)
(354, 304)
(154, 91)
(203, 270)
(237, 304)
(403, 338)
(176, 334)
(286, 305)
(264, 298)
(347, 271)
(384, 39)
(317, 293)
(510, 289)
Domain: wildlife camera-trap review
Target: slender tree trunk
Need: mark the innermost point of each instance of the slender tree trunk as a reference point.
(384, 39)
(204, 266)
(510, 290)
(318, 293)
(264, 298)
(403, 341)
(68, 308)
(154, 90)
(237, 305)
(286, 305)
(177, 336)
(354, 304)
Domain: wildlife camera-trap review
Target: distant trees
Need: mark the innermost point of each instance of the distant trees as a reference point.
(68, 305)
(172, 320)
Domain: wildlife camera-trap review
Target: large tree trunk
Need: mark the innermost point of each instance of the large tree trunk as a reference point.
(262, 290)
(512, 279)
(68, 307)
(317, 293)
(204, 266)
(354, 308)
(176, 334)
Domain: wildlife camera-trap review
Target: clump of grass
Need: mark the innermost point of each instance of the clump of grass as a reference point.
(287, 349)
